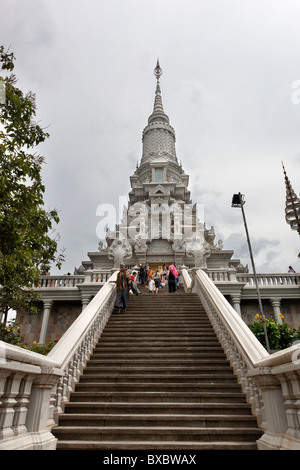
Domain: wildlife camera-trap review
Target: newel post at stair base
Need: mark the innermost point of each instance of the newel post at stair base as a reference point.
(39, 419)
(274, 417)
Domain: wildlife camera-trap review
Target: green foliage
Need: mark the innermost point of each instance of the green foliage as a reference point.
(41, 348)
(280, 335)
(26, 248)
(10, 333)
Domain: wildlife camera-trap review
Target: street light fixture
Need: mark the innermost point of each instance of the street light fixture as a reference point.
(238, 201)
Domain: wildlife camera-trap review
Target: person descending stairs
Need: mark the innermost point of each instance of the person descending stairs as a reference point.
(158, 379)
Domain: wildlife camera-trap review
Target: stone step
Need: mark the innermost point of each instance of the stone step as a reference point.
(179, 311)
(125, 445)
(170, 345)
(158, 362)
(179, 331)
(159, 306)
(158, 342)
(172, 326)
(124, 317)
(164, 326)
(166, 350)
(90, 376)
(162, 356)
(160, 408)
(158, 371)
(157, 303)
(167, 335)
(168, 387)
(179, 294)
(149, 299)
(166, 317)
(155, 308)
(157, 420)
(170, 341)
(155, 433)
(147, 347)
(164, 331)
(210, 396)
(166, 310)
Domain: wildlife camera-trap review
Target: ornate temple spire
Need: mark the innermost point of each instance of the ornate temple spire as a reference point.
(292, 205)
(158, 135)
(158, 114)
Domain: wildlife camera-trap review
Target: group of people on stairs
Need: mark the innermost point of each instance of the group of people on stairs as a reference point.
(126, 282)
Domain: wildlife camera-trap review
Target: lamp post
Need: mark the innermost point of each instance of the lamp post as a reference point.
(238, 201)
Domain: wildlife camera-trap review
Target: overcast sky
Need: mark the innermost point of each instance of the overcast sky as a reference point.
(229, 68)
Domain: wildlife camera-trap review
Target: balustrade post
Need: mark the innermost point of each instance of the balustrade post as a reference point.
(88, 275)
(236, 303)
(290, 384)
(232, 275)
(39, 406)
(274, 416)
(8, 391)
(85, 300)
(22, 401)
(276, 308)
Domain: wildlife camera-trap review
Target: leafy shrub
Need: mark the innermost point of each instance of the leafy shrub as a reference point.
(280, 335)
(10, 333)
(41, 348)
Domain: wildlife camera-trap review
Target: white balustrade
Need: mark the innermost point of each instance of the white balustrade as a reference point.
(288, 279)
(216, 275)
(100, 276)
(60, 281)
(219, 275)
(67, 281)
(26, 383)
(35, 388)
(278, 378)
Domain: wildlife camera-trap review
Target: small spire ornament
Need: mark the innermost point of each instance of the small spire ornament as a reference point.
(158, 71)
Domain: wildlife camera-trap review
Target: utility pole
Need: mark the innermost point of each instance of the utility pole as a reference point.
(238, 201)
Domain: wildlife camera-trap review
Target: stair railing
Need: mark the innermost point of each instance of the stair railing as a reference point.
(74, 348)
(241, 347)
(271, 382)
(35, 388)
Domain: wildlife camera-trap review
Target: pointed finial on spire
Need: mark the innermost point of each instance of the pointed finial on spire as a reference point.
(158, 114)
(158, 71)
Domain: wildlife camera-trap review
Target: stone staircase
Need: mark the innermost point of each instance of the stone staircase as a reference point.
(158, 379)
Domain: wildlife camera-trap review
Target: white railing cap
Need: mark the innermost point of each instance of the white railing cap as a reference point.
(64, 348)
(10, 353)
(249, 346)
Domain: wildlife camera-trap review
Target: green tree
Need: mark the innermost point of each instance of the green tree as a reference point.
(28, 245)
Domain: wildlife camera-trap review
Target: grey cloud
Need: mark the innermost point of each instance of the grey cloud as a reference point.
(226, 87)
(259, 246)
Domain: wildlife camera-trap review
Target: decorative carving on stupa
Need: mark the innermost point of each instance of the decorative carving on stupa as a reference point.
(160, 223)
(119, 251)
(199, 249)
